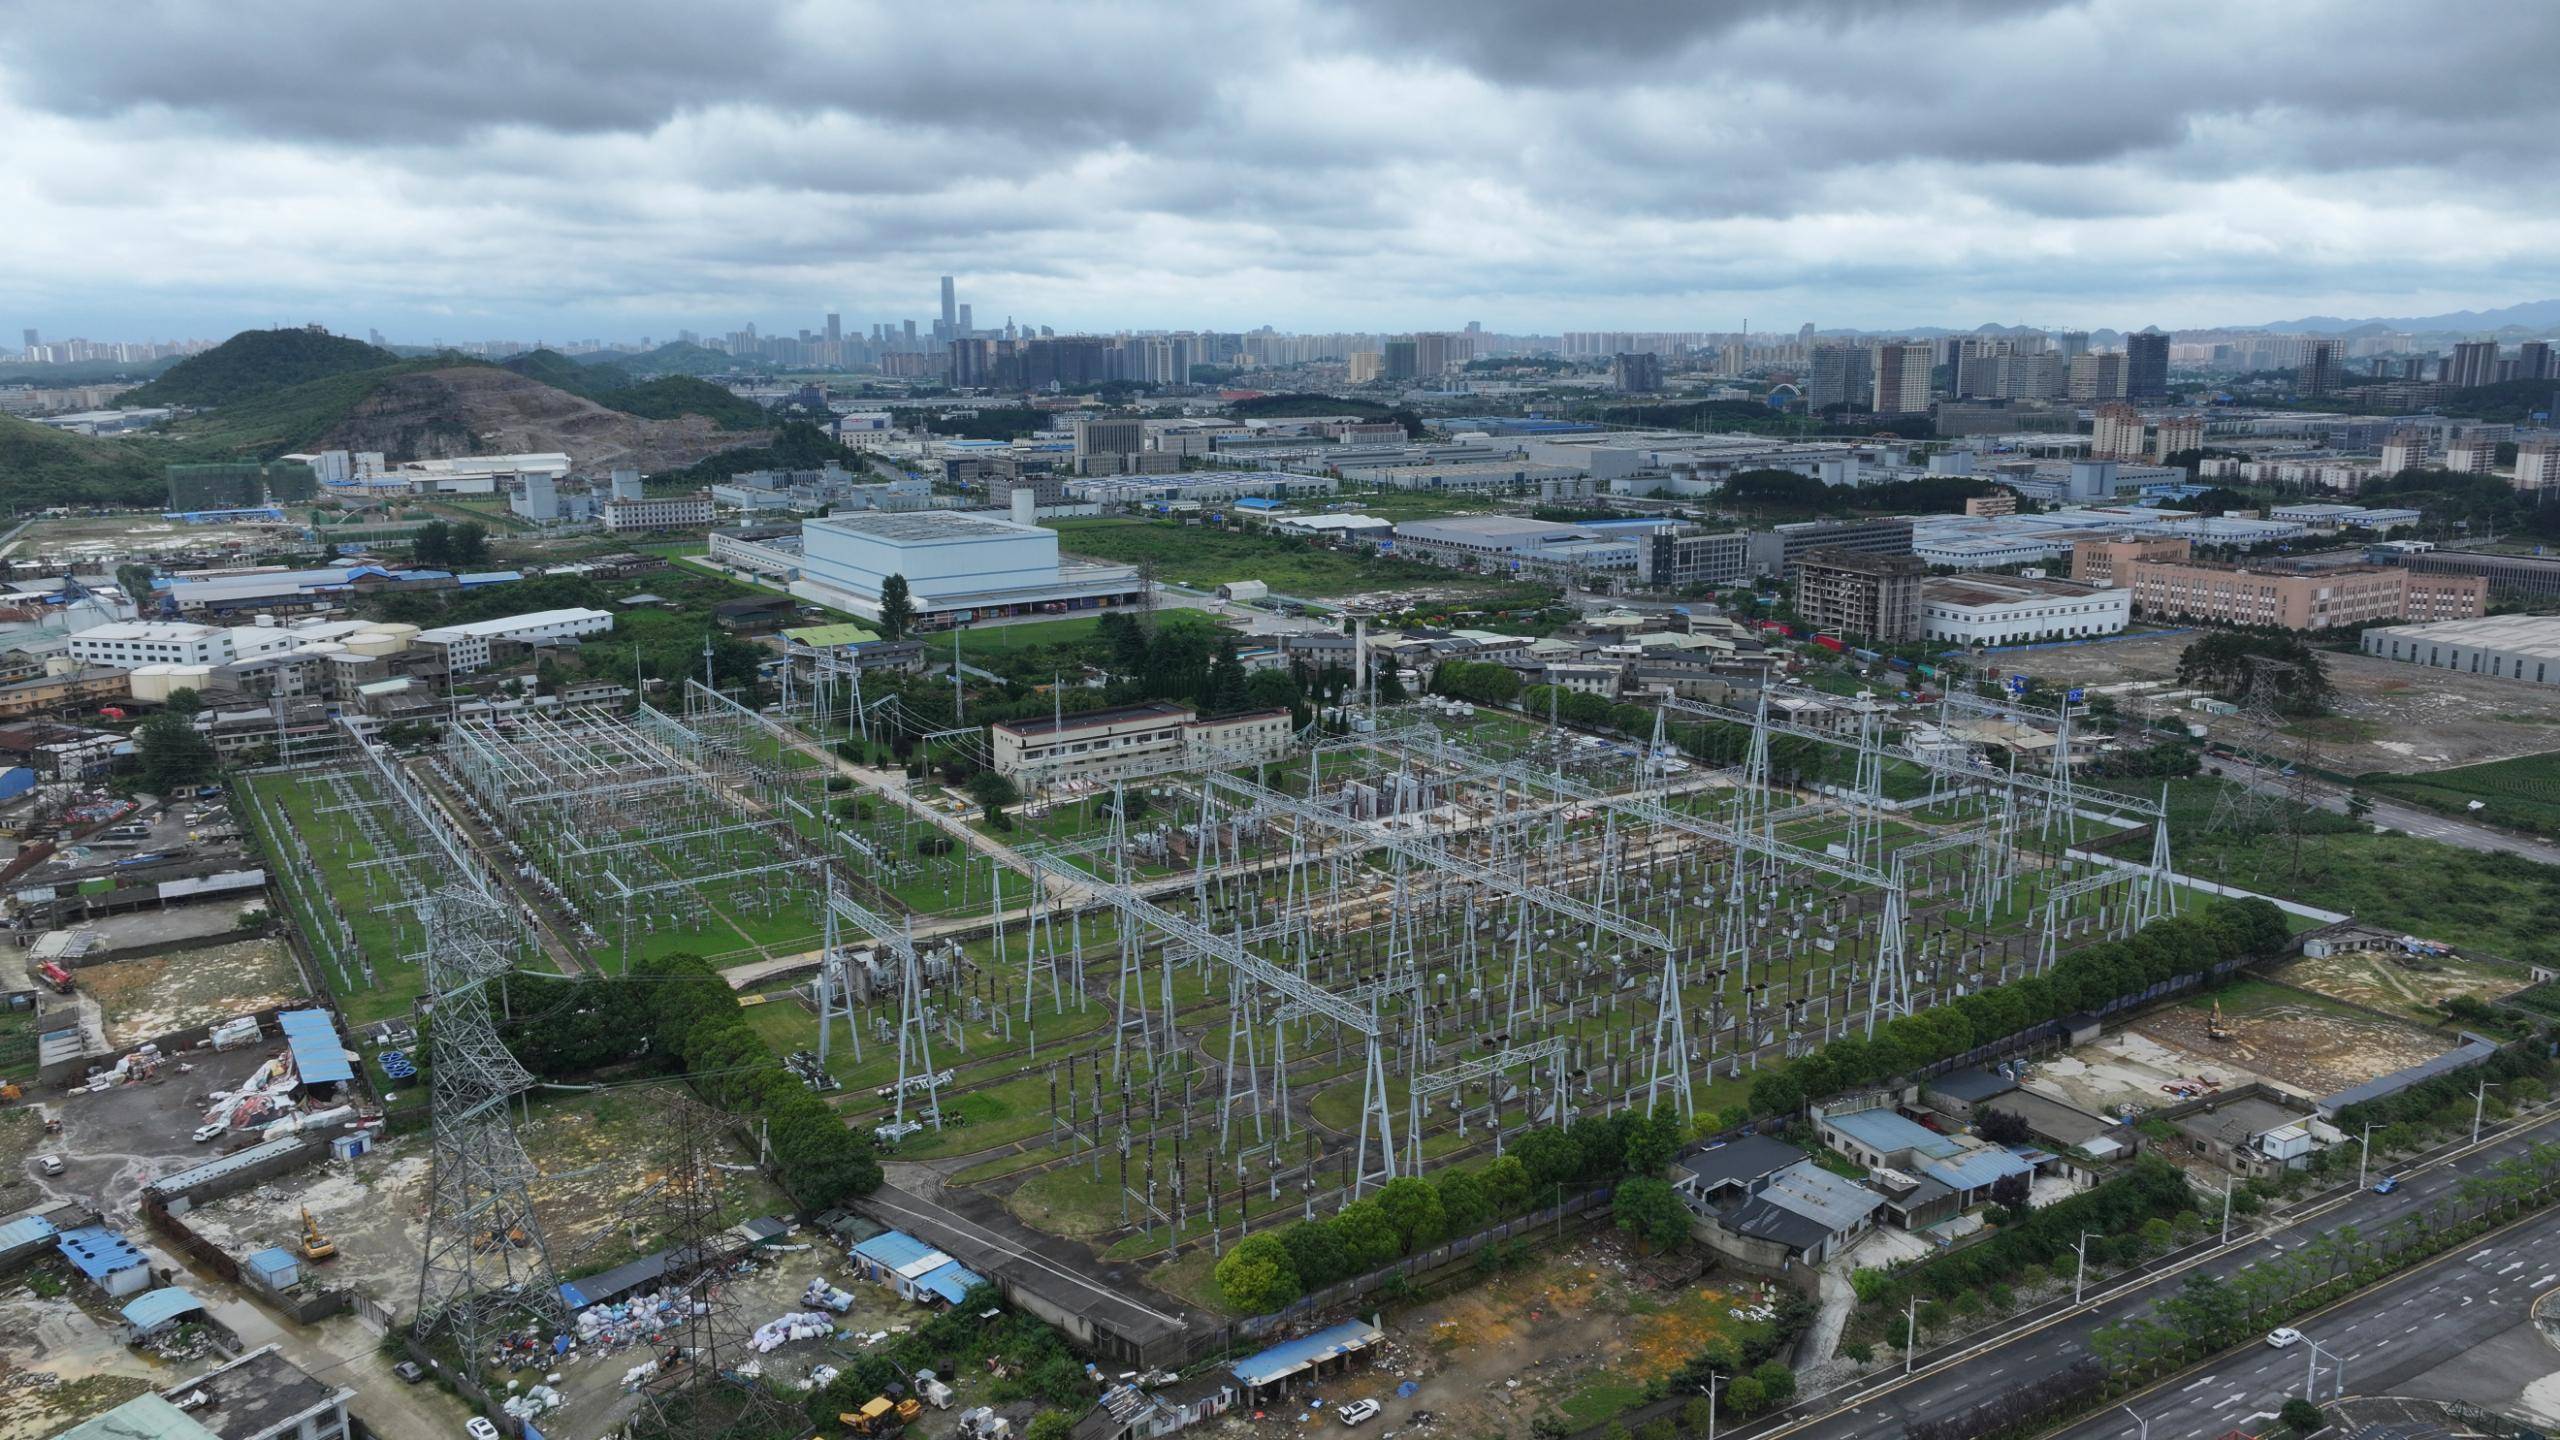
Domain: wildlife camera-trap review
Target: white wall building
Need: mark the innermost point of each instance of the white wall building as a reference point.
(2509, 647)
(467, 647)
(2015, 610)
(664, 512)
(959, 565)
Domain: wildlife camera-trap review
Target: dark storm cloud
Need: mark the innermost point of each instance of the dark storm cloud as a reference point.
(1314, 162)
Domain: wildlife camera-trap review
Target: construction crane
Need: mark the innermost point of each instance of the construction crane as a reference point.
(315, 1246)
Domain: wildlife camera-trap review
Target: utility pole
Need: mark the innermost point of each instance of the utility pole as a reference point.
(2479, 1107)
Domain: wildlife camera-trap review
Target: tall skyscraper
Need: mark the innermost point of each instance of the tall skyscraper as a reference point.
(950, 311)
(2146, 366)
(33, 340)
(2533, 360)
(968, 322)
(2474, 362)
(1902, 377)
(2074, 342)
(1841, 376)
(2319, 372)
(835, 336)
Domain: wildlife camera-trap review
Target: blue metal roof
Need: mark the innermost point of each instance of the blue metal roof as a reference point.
(1251, 502)
(153, 1308)
(1973, 1171)
(1887, 1131)
(319, 1056)
(26, 1230)
(952, 1282)
(894, 1249)
(273, 1260)
(99, 1251)
(194, 1175)
(1287, 1359)
(488, 577)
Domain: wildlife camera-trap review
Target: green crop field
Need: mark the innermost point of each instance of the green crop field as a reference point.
(2521, 794)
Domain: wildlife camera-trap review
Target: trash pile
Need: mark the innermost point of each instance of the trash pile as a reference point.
(640, 1320)
(823, 1296)
(533, 1402)
(798, 1325)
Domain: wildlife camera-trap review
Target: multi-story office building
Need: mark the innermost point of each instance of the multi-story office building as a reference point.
(1875, 596)
(2146, 366)
(1131, 740)
(1902, 378)
(2108, 562)
(662, 512)
(2313, 600)
(1675, 558)
(1780, 551)
(1109, 435)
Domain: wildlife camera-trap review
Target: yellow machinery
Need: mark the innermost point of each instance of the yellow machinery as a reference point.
(315, 1246)
(2214, 1029)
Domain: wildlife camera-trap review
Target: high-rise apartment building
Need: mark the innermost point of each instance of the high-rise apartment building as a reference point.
(1839, 375)
(2117, 434)
(2177, 435)
(1401, 358)
(1362, 366)
(2473, 362)
(1438, 352)
(2403, 450)
(2146, 366)
(2097, 375)
(2318, 374)
(1875, 596)
(2533, 361)
(1902, 377)
(950, 310)
(1636, 373)
(2073, 343)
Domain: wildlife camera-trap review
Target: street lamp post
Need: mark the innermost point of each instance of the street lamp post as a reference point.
(2081, 1249)
(2479, 1106)
(2337, 1371)
(1712, 1378)
(2226, 1211)
(2366, 1159)
(2138, 1420)
(1910, 1334)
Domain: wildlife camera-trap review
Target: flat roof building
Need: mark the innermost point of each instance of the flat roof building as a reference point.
(959, 565)
(2016, 610)
(1126, 741)
(2321, 600)
(2511, 647)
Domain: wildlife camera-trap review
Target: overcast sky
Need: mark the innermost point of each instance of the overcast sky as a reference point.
(566, 168)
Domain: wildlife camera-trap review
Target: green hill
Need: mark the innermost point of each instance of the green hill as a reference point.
(676, 357)
(41, 466)
(663, 397)
(257, 362)
(266, 424)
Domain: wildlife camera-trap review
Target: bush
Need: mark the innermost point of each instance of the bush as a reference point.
(2302, 1416)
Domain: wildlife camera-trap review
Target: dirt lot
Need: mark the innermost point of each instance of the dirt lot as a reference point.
(2296, 1044)
(2385, 984)
(159, 994)
(2127, 1069)
(1578, 1333)
(2390, 716)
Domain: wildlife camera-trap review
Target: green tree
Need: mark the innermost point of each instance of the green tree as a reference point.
(1652, 1140)
(431, 543)
(1055, 1424)
(1506, 1185)
(897, 607)
(1652, 1212)
(2301, 1416)
(1745, 1396)
(1412, 1205)
(185, 700)
(1227, 690)
(1775, 1092)
(1462, 1200)
(173, 756)
(1777, 1382)
(993, 792)
(468, 544)
(1257, 1276)
(1369, 1238)
(1316, 1253)
(135, 581)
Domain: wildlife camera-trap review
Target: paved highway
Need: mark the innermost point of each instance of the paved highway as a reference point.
(2391, 1341)
(1958, 1377)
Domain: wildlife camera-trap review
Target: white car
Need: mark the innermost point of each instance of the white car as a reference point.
(2284, 1337)
(479, 1428)
(49, 1164)
(1358, 1411)
(214, 1131)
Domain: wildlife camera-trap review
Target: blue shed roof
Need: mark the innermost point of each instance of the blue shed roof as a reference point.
(25, 1230)
(894, 1249)
(273, 1260)
(1287, 1359)
(488, 577)
(319, 1057)
(1887, 1131)
(158, 1307)
(1973, 1171)
(952, 1282)
(99, 1251)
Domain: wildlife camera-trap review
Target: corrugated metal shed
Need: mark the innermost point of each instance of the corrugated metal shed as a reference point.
(25, 1230)
(99, 1252)
(319, 1056)
(185, 1180)
(154, 1308)
(1977, 1169)
(1284, 1360)
(893, 1250)
(1885, 1131)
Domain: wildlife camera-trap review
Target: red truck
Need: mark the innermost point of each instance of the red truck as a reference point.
(58, 977)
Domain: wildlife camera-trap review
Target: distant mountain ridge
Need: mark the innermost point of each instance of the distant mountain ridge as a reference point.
(2529, 315)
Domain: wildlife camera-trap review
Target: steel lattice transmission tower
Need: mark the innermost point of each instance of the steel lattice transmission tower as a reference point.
(2243, 808)
(486, 1272)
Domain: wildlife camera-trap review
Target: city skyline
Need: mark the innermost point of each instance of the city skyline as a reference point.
(550, 170)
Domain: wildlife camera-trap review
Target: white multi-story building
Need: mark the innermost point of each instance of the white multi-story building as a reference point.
(467, 647)
(1124, 741)
(2538, 464)
(2018, 610)
(125, 644)
(662, 512)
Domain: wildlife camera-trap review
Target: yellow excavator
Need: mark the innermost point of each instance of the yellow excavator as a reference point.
(315, 1246)
(2214, 1029)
